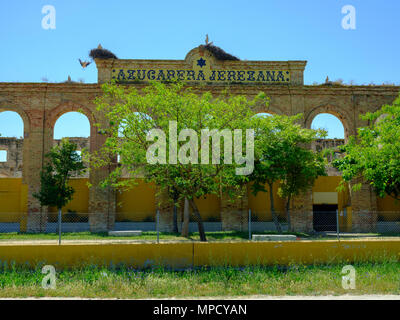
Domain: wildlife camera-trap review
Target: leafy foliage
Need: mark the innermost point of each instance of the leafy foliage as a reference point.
(54, 188)
(374, 155)
(283, 155)
(131, 114)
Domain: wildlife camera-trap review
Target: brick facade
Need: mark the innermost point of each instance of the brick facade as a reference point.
(41, 104)
(234, 212)
(364, 206)
(13, 166)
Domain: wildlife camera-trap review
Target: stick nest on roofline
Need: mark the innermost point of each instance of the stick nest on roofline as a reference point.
(101, 54)
(219, 53)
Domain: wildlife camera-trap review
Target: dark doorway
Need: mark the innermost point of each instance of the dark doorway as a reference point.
(324, 217)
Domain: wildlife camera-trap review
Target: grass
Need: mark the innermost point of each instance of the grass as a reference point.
(164, 236)
(146, 236)
(14, 236)
(95, 282)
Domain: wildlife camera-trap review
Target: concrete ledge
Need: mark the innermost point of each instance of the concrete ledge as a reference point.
(125, 233)
(195, 254)
(273, 237)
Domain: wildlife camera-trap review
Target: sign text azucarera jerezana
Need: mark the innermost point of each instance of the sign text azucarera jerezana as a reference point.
(271, 76)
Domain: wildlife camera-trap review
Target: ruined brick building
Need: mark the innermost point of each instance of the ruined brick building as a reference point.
(12, 166)
(41, 104)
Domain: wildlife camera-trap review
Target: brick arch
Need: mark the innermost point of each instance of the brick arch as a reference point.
(4, 106)
(261, 108)
(27, 119)
(70, 106)
(344, 117)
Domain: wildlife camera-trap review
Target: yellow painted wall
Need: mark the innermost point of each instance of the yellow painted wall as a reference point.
(329, 184)
(389, 209)
(260, 205)
(24, 207)
(78, 255)
(180, 255)
(137, 203)
(80, 200)
(293, 252)
(348, 220)
(209, 207)
(13, 199)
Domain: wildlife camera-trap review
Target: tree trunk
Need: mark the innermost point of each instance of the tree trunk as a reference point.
(289, 223)
(273, 213)
(175, 219)
(185, 223)
(199, 220)
(59, 225)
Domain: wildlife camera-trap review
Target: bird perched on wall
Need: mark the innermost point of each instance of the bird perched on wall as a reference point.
(84, 64)
(327, 81)
(208, 43)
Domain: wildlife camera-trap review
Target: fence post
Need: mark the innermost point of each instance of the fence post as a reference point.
(249, 224)
(157, 225)
(337, 224)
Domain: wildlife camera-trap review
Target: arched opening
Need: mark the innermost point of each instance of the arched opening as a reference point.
(76, 127)
(331, 124)
(135, 121)
(13, 193)
(11, 144)
(72, 124)
(129, 128)
(335, 132)
(263, 115)
(136, 204)
(260, 115)
(326, 200)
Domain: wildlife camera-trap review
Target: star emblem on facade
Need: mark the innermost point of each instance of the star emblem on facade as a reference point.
(201, 62)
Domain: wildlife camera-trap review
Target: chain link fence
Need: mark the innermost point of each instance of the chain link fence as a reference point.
(329, 223)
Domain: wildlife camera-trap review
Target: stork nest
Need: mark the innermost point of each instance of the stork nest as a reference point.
(101, 54)
(219, 53)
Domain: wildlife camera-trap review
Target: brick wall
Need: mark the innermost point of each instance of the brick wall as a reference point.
(41, 104)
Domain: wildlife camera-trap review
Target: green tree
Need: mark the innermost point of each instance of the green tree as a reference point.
(374, 154)
(63, 161)
(131, 115)
(302, 166)
(283, 155)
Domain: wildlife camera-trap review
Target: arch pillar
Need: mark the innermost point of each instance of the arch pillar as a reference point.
(234, 212)
(102, 200)
(165, 207)
(364, 207)
(301, 212)
(37, 142)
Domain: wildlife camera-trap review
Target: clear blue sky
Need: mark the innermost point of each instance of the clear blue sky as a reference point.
(255, 30)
